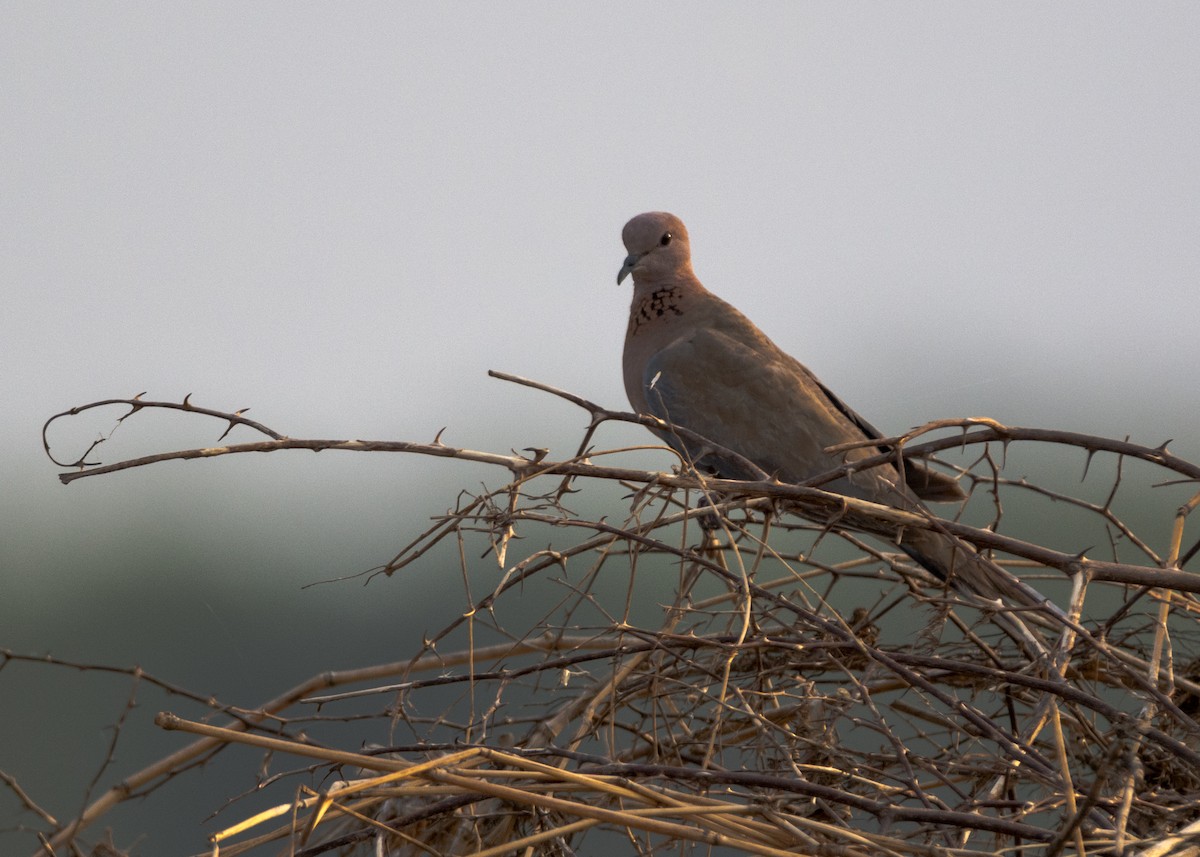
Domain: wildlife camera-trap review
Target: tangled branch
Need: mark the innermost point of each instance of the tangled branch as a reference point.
(781, 703)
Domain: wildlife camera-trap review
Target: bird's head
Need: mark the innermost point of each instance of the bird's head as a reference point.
(658, 248)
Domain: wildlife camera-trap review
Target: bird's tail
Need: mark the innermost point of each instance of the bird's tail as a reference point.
(974, 575)
(957, 563)
(1014, 604)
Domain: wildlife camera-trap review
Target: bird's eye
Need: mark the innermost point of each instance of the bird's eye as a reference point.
(665, 240)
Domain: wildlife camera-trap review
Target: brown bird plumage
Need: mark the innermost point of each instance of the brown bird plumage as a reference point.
(695, 361)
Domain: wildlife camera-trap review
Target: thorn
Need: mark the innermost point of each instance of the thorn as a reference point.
(186, 400)
(437, 440)
(1086, 464)
(239, 413)
(539, 453)
(1082, 555)
(134, 407)
(1162, 447)
(139, 395)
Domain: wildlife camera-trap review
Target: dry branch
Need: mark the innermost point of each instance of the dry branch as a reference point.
(782, 704)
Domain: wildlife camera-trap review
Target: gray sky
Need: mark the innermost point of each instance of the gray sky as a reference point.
(344, 219)
(343, 216)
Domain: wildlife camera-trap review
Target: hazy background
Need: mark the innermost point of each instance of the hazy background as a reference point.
(343, 216)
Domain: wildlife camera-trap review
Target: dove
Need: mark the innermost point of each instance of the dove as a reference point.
(695, 361)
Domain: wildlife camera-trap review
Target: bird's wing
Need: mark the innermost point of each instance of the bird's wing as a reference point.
(765, 406)
(923, 480)
(749, 400)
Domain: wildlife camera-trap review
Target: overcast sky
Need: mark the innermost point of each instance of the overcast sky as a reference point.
(342, 216)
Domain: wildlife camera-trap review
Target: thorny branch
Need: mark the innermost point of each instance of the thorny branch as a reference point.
(781, 703)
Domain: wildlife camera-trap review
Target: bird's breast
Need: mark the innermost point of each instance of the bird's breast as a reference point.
(658, 305)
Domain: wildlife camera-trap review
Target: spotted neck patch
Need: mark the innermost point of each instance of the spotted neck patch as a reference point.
(663, 301)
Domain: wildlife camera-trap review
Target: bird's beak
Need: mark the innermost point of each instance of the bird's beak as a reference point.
(627, 269)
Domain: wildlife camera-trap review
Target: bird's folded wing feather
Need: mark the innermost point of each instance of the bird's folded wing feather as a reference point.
(747, 398)
(766, 406)
(924, 481)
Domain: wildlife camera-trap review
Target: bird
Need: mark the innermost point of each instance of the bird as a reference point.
(693, 360)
